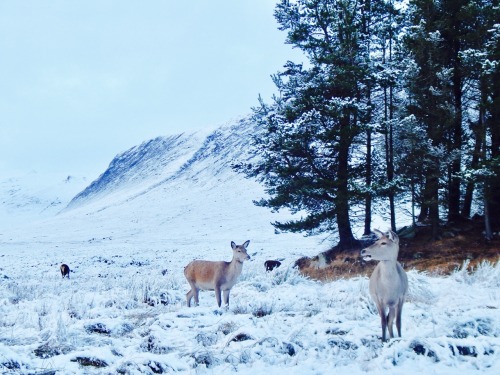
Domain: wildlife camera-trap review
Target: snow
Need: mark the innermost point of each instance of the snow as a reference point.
(123, 310)
(35, 195)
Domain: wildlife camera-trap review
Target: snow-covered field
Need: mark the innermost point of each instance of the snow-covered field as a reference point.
(127, 240)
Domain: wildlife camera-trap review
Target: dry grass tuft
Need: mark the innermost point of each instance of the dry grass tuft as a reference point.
(458, 244)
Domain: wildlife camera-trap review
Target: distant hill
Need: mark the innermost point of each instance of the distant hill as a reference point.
(199, 158)
(34, 196)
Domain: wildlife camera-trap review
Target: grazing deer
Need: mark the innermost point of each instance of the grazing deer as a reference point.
(271, 264)
(388, 282)
(64, 270)
(218, 276)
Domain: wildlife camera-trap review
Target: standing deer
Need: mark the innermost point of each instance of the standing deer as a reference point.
(388, 282)
(218, 276)
(64, 270)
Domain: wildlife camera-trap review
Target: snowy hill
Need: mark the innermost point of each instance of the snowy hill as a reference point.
(127, 237)
(141, 167)
(33, 196)
(198, 158)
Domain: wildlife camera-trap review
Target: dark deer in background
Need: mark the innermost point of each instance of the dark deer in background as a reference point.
(64, 270)
(271, 264)
(218, 276)
(388, 282)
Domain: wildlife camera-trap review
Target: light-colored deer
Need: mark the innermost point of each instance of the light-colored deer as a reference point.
(218, 276)
(388, 282)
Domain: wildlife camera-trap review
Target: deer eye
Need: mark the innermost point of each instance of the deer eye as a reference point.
(384, 243)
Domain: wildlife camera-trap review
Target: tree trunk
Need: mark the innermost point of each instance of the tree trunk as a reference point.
(430, 203)
(454, 184)
(366, 9)
(494, 126)
(488, 232)
(476, 154)
(390, 169)
(469, 189)
(346, 238)
(434, 206)
(368, 198)
(424, 205)
(389, 141)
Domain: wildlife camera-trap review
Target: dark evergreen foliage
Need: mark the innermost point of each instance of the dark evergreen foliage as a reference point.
(394, 102)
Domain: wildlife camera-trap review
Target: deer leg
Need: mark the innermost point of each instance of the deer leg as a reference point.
(189, 295)
(225, 294)
(196, 292)
(390, 320)
(383, 320)
(217, 295)
(398, 317)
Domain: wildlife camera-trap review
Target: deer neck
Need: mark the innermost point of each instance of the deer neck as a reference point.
(388, 267)
(236, 266)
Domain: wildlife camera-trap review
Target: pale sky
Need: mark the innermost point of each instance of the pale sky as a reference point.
(83, 80)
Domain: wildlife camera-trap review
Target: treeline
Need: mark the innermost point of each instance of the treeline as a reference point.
(397, 101)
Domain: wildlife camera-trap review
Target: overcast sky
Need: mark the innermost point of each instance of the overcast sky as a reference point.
(81, 81)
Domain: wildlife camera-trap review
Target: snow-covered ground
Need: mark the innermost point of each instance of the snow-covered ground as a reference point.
(127, 238)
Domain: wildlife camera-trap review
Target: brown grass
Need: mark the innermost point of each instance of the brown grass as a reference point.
(458, 244)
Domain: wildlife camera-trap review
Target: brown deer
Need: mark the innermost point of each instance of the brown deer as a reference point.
(219, 276)
(388, 282)
(64, 270)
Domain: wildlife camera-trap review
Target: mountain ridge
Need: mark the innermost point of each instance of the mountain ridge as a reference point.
(33, 196)
(196, 157)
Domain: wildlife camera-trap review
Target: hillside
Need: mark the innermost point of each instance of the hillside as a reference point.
(33, 196)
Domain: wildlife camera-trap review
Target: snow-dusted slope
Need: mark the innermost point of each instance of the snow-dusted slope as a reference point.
(198, 158)
(33, 196)
(141, 168)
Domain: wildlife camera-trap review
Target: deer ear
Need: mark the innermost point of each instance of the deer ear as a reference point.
(233, 245)
(245, 245)
(378, 233)
(392, 236)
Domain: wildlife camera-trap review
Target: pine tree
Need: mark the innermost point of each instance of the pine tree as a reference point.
(444, 90)
(387, 75)
(491, 95)
(393, 103)
(309, 130)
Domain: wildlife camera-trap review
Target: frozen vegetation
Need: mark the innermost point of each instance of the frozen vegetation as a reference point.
(127, 238)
